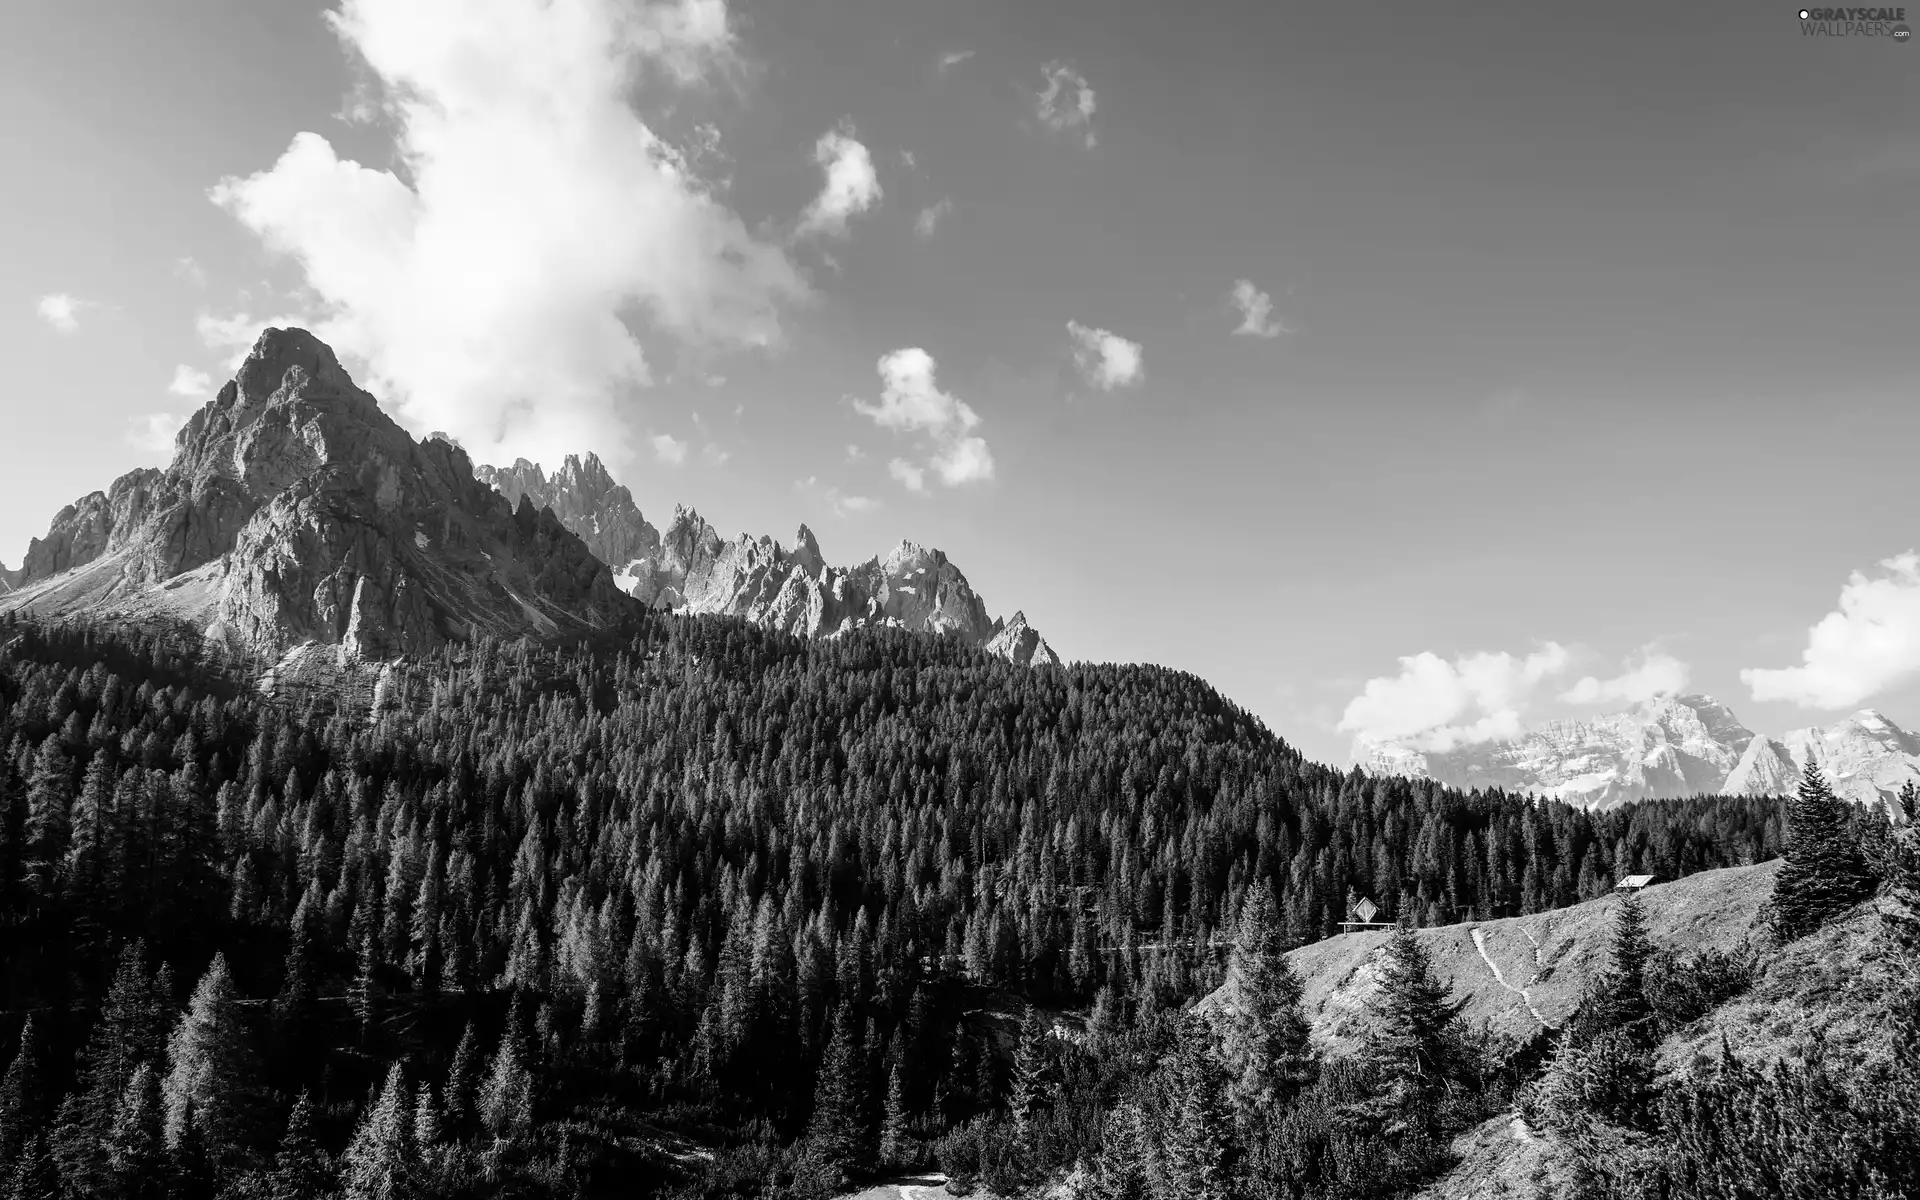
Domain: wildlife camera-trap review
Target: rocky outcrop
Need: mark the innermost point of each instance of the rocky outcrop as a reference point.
(691, 568)
(296, 514)
(1668, 747)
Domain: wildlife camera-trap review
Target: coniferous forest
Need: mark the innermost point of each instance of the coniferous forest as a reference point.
(711, 911)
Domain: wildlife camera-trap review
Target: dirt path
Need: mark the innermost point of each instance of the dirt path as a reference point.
(1480, 944)
(917, 1187)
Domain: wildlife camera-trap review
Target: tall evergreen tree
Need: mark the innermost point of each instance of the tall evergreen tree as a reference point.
(1825, 872)
(1410, 1043)
(211, 1072)
(1197, 1138)
(837, 1134)
(23, 1093)
(299, 1167)
(1264, 1030)
(376, 1163)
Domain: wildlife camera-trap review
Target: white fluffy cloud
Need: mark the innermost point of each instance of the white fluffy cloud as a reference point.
(852, 185)
(930, 218)
(154, 433)
(1067, 103)
(1106, 360)
(1867, 645)
(1655, 673)
(912, 403)
(487, 284)
(910, 476)
(188, 382)
(1256, 311)
(1435, 705)
(668, 449)
(61, 311)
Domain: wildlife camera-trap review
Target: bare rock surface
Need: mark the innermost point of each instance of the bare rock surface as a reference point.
(296, 514)
(690, 567)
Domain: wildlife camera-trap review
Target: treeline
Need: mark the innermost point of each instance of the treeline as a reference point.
(552, 907)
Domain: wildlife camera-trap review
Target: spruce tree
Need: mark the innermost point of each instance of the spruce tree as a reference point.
(1410, 1043)
(895, 1145)
(1031, 1088)
(210, 1067)
(299, 1167)
(33, 1175)
(1264, 1030)
(837, 1134)
(1623, 1000)
(1825, 872)
(506, 1098)
(377, 1160)
(23, 1094)
(135, 1151)
(1197, 1136)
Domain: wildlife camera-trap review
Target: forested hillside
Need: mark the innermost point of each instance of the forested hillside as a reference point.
(562, 919)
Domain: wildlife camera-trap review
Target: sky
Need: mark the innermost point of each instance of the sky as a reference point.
(1421, 371)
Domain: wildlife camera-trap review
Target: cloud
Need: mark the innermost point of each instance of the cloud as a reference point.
(910, 399)
(841, 503)
(191, 271)
(1106, 359)
(965, 461)
(62, 311)
(191, 383)
(855, 453)
(1067, 104)
(949, 61)
(716, 454)
(1435, 705)
(235, 333)
(155, 432)
(668, 449)
(488, 283)
(852, 186)
(910, 476)
(1256, 311)
(930, 218)
(1656, 673)
(1869, 644)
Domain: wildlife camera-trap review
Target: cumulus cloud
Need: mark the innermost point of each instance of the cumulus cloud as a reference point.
(910, 476)
(154, 432)
(489, 282)
(1067, 104)
(964, 461)
(61, 311)
(1106, 360)
(910, 400)
(1869, 644)
(1256, 311)
(1435, 705)
(854, 452)
(1653, 673)
(930, 217)
(191, 383)
(668, 449)
(852, 185)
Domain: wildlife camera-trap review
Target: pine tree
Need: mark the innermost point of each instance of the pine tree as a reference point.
(837, 1134)
(463, 1085)
(1031, 1090)
(1410, 1043)
(1120, 1168)
(22, 1094)
(1264, 1033)
(299, 1167)
(34, 1175)
(1623, 1000)
(506, 1098)
(895, 1146)
(375, 1166)
(1197, 1134)
(1825, 873)
(49, 808)
(135, 1150)
(210, 1067)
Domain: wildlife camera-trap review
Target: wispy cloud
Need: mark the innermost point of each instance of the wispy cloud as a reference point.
(1256, 311)
(840, 502)
(62, 311)
(668, 449)
(852, 185)
(1067, 104)
(487, 281)
(930, 218)
(154, 432)
(911, 477)
(191, 383)
(1106, 360)
(954, 59)
(1652, 673)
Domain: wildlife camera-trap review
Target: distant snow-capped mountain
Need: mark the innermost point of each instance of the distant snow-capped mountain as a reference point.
(690, 567)
(1670, 746)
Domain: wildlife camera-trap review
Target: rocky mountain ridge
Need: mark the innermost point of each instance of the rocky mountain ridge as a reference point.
(1671, 746)
(297, 518)
(690, 567)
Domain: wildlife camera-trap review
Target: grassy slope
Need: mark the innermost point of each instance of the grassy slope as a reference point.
(1551, 956)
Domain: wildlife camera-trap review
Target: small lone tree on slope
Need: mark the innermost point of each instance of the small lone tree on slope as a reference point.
(1825, 872)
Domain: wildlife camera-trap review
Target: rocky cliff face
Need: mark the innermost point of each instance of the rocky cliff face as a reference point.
(1669, 747)
(691, 568)
(296, 514)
